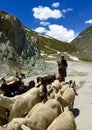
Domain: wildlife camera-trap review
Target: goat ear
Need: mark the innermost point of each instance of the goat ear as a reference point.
(41, 88)
(54, 74)
(73, 84)
(1, 77)
(24, 127)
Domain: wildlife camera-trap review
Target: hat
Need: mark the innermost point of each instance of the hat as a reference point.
(62, 55)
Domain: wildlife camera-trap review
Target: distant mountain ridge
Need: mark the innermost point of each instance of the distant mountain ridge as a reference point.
(83, 43)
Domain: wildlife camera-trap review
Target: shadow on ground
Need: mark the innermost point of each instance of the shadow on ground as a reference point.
(76, 112)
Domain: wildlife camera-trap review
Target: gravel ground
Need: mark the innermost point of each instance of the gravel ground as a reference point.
(82, 73)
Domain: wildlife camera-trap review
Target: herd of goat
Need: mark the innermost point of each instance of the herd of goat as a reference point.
(36, 105)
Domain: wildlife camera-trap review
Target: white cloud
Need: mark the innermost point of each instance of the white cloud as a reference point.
(56, 5)
(44, 23)
(89, 21)
(59, 32)
(67, 10)
(40, 30)
(43, 13)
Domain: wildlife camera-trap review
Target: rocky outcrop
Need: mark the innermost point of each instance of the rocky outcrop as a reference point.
(18, 48)
(83, 42)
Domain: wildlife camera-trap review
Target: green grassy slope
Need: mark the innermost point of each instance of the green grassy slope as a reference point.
(50, 45)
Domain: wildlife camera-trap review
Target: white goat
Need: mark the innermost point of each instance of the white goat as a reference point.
(65, 121)
(67, 98)
(19, 105)
(39, 118)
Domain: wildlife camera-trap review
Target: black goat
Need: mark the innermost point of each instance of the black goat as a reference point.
(15, 88)
(46, 79)
(10, 89)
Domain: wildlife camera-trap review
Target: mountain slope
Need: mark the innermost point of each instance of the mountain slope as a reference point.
(83, 42)
(18, 48)
(50, 45)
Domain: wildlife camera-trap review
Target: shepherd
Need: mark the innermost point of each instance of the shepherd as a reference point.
(62, 66)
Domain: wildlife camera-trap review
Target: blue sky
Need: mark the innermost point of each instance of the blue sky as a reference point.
(61, 19)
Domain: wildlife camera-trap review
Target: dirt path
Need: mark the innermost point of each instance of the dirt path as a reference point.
(81, 72)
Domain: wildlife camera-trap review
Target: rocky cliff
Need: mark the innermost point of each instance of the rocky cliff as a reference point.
(83, 42)
(18, 48)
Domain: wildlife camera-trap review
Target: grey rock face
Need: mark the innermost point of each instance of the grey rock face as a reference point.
(84, 42)
(18, 49)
